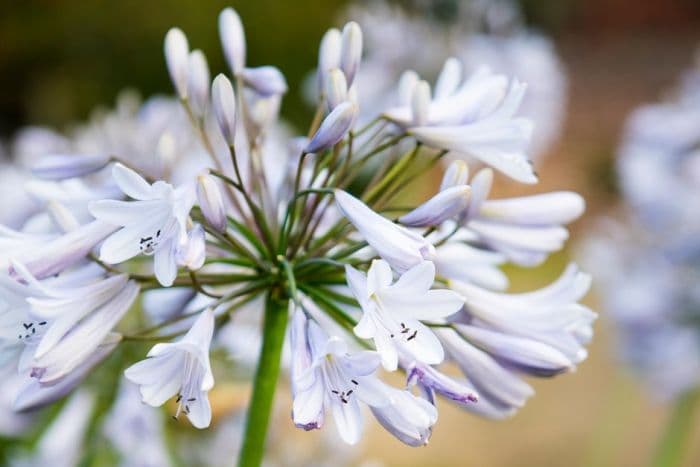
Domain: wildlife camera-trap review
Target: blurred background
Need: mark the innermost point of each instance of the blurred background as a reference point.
(61, 59)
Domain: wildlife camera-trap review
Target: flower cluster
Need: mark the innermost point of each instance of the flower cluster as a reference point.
(209, 207)
(651, 258)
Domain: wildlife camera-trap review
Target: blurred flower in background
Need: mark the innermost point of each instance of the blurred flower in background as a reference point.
(648, 258)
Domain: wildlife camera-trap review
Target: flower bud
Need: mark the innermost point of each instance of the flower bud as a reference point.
(198, 82)
(224, 104)
(336, 88)
(449, 79)
(456, 174)
(351, 51)
(192, 252)
(177, 59)
(420, 103)
(328, 56)
(439, 208)
(333, 128)
(211, 202)
(232, 39)
(265, 80)
(62, 166)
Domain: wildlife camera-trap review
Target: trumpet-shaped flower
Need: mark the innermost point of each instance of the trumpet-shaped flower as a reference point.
(153, 224)
(392, 313)
(326, 377)
(181, 368)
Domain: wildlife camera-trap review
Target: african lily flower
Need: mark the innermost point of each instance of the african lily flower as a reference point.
(249, 225)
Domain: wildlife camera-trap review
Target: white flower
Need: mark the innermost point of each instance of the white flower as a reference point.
(181, 368)
(62, 305)
(153, 224)
(79, 343)
(331, 379)
(527, 229)
(477, 119)
(392, 312)
(400, 247)
(497, 336)
(35, 394)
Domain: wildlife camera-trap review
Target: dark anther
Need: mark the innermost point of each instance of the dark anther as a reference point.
(191, 399)
(354, 382)
(179, 398)
(413, 336)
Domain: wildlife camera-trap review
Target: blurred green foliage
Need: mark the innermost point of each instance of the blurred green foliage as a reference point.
(59, 58)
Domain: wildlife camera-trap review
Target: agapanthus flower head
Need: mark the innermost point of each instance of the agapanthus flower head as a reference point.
(253, 227)
(650, 252)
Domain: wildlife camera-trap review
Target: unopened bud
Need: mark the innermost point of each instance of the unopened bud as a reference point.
(177, 52)
(224, 104)
(232, 39)
(198, 82)
(333, 128)
(351, 51)
(211, 202)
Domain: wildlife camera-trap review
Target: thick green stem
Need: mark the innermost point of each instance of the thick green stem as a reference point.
(265, 381)
(673, 444)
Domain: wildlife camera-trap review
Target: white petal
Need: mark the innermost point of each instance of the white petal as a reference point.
(348, 420)
(131, 183)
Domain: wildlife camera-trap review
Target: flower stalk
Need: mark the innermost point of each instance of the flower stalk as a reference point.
(265, 382)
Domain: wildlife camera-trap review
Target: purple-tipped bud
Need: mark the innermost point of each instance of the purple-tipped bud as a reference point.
(232, 39)
(441, 207)
(441, 383)
(198, 82)
(351, 51)
(333, 128)
(211, 202)
(265, 80)
(62, 166)
(224, 104)
(177, 52)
